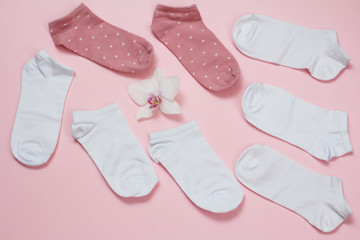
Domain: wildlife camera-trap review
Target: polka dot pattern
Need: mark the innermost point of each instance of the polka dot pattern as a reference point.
(84, 33)
(197, 48)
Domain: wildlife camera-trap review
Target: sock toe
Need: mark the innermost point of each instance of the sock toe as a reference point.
(252, 99)
(31, 153)
(224, 200)
(139, 185)
(244, 30)
(227, 77)
(145, 54)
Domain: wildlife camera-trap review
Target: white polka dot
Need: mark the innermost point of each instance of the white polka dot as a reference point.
(128, 54)
(210, 87)
(86, 49)
(216, 54)
(75, 28)
(104, 57)
(190, 37)
(178, 34)
(203, 52)
(93, 37)
(180, 58)
(140, 51)
(101, 26)
(78, 16)
(192, 61)
(203, 30)
(105, 36)
(123, 44)
(191, 26)
(191, 49)
(116, 56)
(203, 41)
(134, 41)
(193, 74)
(229, 58)
(204, 64)
(51, 30)
(205, 76)
(157, 12)
(216, 66)
(88, 15)
(218, 78)
(215, 43)
(178, 46)
(229, 69)
(122, 64)
(110, 46)
(89, 27)
(186, 14)
(75, 50)
(98, 47)
(179, 22)
(166, 43)
(69, 40)
(132, 71)
(117, 34)
(172, 14)
(80, 39)
(166, 32)
(134, 63)
(65, 24)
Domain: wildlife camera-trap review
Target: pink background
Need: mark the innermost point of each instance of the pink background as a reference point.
(69, 199)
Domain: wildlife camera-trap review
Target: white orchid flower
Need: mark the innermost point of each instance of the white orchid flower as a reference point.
(155, 93)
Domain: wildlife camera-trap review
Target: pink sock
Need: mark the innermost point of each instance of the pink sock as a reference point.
(89, 36)
(197, 48)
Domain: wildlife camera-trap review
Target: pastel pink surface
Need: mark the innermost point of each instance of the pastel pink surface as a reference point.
(68, 198)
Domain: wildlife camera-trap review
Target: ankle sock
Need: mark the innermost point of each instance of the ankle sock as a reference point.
(290, 45)
(317, 198)
(197, 48)
(198, 171)
(320, 132)
(44, 86)
(89, 36)
(108, 140)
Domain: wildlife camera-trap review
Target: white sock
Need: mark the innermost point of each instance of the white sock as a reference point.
(194, 166)
(320, 132)
(44, 86)
(107, 138)
(290, 45)
(317, 198)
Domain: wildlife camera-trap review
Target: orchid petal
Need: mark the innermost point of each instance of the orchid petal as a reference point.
(141, 91)
(169, 107)
(146, 111)
(168, 87)
(158, 75)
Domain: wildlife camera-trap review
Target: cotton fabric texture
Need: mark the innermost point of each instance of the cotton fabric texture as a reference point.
(317, 198)
(44, 86)
(183, 32)
(287, 44)
(84, 33)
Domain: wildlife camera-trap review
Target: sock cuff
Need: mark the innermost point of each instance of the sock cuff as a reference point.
(173, 131)
(79, 116)
(57, 27)
(345, 135)
(176, 13)
(48, 66)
